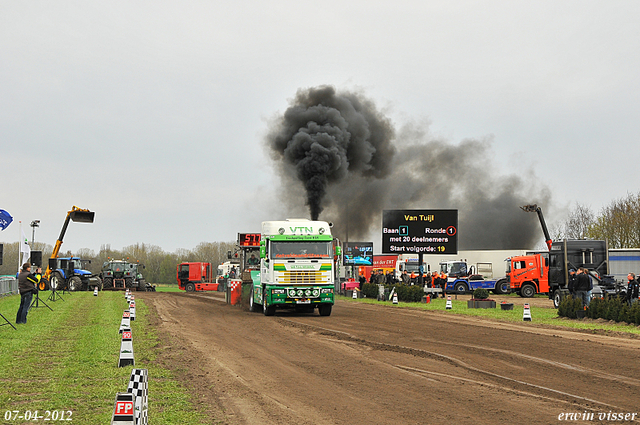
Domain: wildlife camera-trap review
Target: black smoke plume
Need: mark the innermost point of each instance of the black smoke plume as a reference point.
(327, 136)
(352, 166)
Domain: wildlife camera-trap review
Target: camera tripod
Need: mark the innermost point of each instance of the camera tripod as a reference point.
(54, 296)
(36, 302)
(8, 322)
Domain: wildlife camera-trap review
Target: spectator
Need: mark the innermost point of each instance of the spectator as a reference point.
(27, 286)
(572, 282)
(362, 280)
(443, 283)
(581, 286)
(632, 289)
(405, 279)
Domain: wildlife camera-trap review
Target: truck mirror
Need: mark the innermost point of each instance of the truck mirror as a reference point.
(228, 255)
(338, 250)
(263, 251)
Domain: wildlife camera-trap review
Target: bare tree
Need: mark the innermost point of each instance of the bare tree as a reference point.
(619, 223)
(577, 225)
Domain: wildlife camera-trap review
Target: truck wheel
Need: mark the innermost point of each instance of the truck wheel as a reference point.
(267, 310)
(128, 283)
(75, 284)
(325, 309)
(190, 287)
(460, 288)
(502, 287)
(557, 297)
(253, 307)
(527, 291)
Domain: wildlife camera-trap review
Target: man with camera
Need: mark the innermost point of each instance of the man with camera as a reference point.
(27, 282)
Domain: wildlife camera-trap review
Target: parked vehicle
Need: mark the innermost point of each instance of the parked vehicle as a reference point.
(195, 276)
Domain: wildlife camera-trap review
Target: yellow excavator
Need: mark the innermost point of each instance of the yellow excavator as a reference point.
(63, 272)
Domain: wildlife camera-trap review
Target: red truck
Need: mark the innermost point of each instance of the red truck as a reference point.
(196, 277)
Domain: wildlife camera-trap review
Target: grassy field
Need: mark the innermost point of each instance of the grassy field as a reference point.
(67, 359)
(539, 315)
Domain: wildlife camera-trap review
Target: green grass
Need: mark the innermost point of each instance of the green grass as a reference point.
(67, 359)
(167, 287)
(539, 315)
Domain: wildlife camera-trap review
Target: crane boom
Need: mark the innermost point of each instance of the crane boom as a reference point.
(535, 208)
(76, 214)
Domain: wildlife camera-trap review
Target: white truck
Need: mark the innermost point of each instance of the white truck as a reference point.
(297, 267)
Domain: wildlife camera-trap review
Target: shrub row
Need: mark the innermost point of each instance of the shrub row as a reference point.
(609, 309)
(405, 293)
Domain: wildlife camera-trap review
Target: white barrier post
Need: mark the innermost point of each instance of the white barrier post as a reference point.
(125, 324)
(123, 410)
(126, 350)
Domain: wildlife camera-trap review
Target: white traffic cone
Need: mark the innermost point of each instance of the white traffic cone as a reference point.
(449, 305)
(355, 294)
(395, 297)
(526, 314)
(95, 291)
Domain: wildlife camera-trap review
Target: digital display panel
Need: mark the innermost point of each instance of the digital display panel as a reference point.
(358, 253)
(249, 239)
(420, 231)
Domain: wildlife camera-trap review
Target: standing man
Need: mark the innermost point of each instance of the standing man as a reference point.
(572, 282)
(27, 286)
(632, 289)
(581, 286)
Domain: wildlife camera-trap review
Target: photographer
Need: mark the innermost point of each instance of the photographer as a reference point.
(27, 282)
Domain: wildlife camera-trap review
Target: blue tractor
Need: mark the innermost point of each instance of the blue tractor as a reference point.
(69, 273)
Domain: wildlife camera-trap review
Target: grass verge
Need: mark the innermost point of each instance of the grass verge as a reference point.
(539, 315)
(67, 359)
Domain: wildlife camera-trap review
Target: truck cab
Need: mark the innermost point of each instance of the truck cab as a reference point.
(195, 276)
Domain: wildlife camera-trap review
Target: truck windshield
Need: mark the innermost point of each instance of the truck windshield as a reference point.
(457, 268)
(300, 249)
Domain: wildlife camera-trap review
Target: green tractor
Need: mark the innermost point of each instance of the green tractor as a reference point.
(121, 274)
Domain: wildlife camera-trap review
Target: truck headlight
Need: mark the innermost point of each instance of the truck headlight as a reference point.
(327, 291)
(277, 291)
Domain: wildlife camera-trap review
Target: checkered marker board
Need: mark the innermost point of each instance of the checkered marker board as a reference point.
(139, 387)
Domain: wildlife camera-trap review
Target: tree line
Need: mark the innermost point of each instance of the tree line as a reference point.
(618, 223)
(159, 266)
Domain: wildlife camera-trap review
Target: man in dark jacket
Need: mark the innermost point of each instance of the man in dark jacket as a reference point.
(27, 282)
(632, 289)
(581, 286)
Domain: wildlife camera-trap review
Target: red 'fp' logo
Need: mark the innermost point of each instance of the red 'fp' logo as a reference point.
(124, 407)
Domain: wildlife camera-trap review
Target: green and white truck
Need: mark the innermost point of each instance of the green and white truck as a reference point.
(297, 267)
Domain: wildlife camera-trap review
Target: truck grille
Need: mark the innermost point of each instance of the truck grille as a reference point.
(302, 278)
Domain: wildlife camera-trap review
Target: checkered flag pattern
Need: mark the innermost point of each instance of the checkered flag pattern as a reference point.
(139, 387)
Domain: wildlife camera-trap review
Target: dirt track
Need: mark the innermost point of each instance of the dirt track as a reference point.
(368, 364)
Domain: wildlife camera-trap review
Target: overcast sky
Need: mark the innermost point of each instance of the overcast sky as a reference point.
(153, 114)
